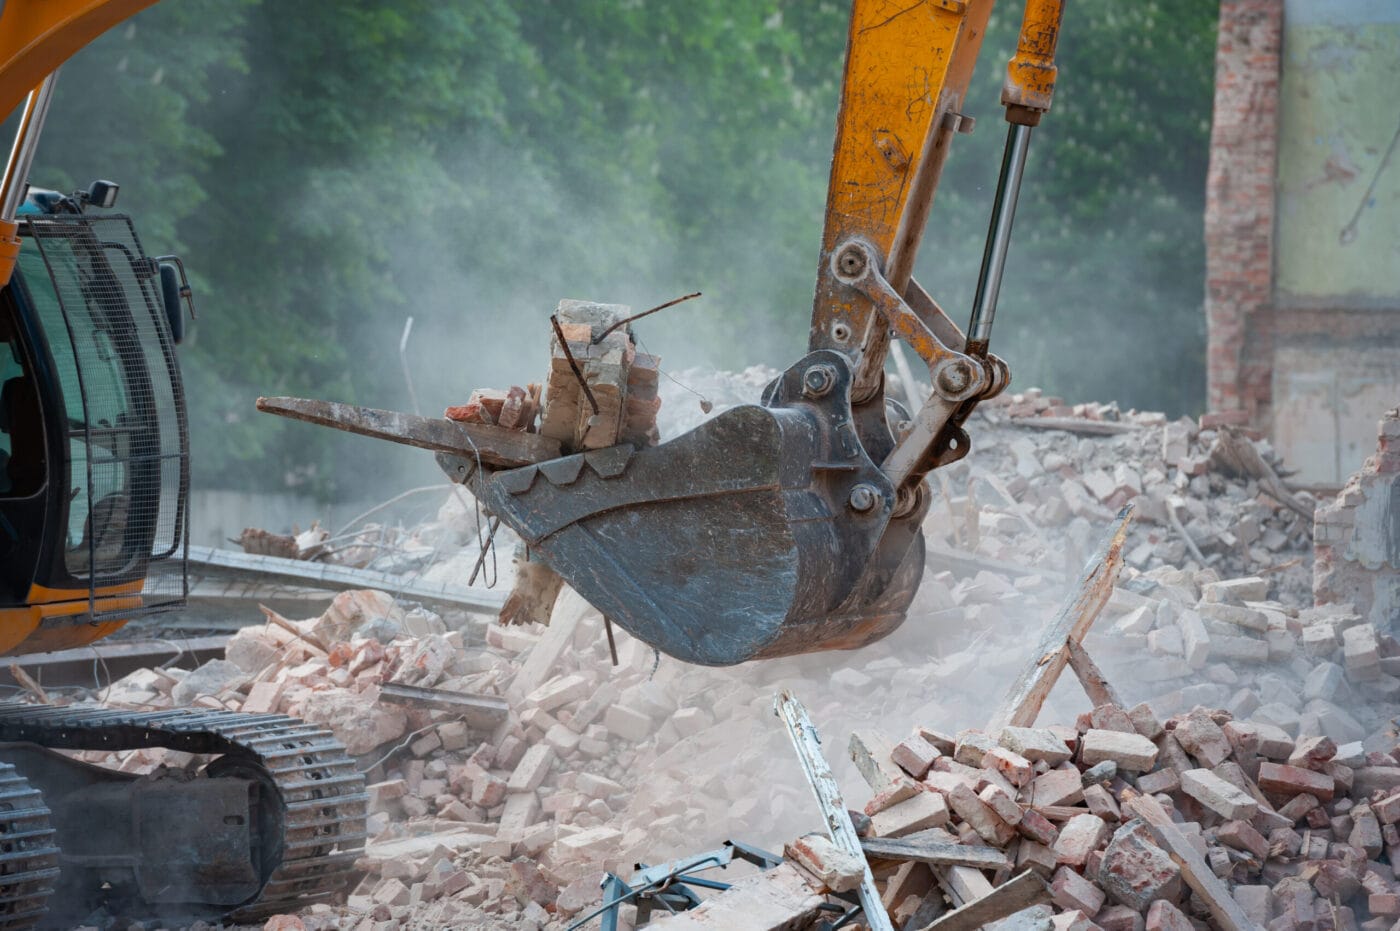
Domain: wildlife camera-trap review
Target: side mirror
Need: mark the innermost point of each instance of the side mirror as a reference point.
(102, 194)
(170, 295)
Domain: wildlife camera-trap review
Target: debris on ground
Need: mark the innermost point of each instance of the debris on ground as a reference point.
(515, 767)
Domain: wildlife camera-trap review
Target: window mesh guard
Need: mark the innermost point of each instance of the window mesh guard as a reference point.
(128, 438)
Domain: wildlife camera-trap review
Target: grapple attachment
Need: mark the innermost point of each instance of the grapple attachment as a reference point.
(765, 531)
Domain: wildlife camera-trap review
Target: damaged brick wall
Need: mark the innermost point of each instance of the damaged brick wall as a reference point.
(1357, 537)
(1239, 221)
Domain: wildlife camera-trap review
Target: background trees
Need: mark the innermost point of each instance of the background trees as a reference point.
(329, 168)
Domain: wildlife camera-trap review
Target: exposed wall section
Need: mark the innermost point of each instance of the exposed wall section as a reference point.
(1357, 537)
(1338, 234)
(1303, 226)
(1240, 205)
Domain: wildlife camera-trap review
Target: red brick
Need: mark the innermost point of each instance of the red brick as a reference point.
(915, 756)
(1242, 836)
(1069, 890)
(1164, 916)
(1037, 827)
(1289, 781)
(1015, 768)
(1081, 835)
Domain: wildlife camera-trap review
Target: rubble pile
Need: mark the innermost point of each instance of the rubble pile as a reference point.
(1043, 474)
(1138, 822)
(501, 826)
(1045, 490)
(598, 767)
(594, 766)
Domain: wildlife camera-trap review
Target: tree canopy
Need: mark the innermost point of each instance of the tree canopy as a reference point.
(328, 169)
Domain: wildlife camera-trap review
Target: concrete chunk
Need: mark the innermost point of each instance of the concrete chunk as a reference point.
(1135, 871)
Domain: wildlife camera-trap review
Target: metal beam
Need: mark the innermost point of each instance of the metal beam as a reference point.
(339, 578)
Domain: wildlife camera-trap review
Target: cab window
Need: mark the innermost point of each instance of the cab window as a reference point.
(99, 431)
(22, 460)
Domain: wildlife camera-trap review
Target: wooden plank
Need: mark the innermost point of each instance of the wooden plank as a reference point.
(27, 683)
(1005, 900)
(480, 711)
(1096, 684)
(838, 819)
(340, 578)
(1028, 692)
(315, 645)
(1198, 875)
(1233, 452)
(496, 447)
(934, 853)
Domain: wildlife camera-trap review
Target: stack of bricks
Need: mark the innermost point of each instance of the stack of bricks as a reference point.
(1140, 823)
(643, 401)
(1357, 536)
(622, 382)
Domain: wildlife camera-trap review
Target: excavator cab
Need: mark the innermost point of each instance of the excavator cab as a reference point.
(94, 448)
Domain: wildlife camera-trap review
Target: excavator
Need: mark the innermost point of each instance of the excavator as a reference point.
(94, 484)
(783, 527)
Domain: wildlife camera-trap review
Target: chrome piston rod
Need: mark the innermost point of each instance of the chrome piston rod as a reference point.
(984, 304)
(31, 127)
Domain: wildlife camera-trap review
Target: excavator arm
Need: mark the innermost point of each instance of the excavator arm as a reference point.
(36, 38)
(899, 112)
(793, 525)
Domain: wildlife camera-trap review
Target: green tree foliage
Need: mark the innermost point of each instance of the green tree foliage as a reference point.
(331, 167)
(1106, 277)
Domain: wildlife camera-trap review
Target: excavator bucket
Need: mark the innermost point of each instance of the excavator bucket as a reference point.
(763, 532)
(766, 531)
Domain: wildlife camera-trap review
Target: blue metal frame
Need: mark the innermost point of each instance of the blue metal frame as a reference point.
(669, 884)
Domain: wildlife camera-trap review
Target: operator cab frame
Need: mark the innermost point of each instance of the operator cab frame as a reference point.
(94, 443)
